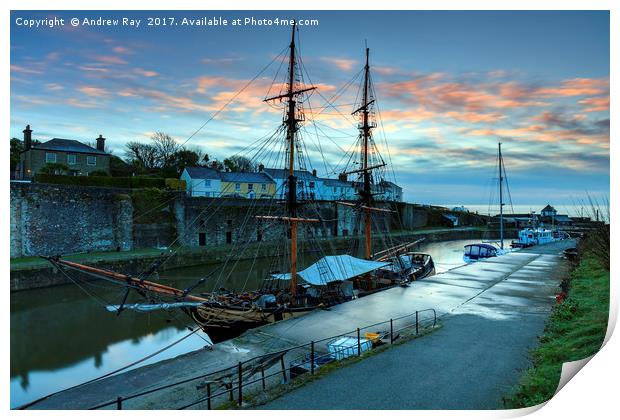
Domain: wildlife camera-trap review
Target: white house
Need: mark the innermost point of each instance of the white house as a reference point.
(308, 185)
(336, 189)
(202, 182)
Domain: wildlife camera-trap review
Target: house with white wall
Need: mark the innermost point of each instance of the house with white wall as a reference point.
(202, 182)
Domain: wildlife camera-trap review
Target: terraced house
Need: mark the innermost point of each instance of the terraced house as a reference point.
(62, 157)
(207, 182)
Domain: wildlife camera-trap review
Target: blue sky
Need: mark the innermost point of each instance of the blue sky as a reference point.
(449, 85)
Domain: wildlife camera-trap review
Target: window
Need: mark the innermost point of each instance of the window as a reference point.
(71, 159)
(202, 239)
(207, 182)
(50, 157)
(250, 187)
(311, 184)
(263, 187)
(91, 160)
(237, 186)
(229, 237)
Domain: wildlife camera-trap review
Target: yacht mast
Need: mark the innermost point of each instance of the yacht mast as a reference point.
(501, 198)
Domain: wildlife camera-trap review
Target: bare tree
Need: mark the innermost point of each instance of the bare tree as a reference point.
(237, 163)
(166, 147)
(142, 154)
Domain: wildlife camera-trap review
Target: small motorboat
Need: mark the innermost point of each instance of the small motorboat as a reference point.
(476, 252)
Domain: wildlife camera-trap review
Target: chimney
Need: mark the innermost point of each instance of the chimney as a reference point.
(342, 177)
(100, 143)
(261, 167)
(314, 172)
(27, 138)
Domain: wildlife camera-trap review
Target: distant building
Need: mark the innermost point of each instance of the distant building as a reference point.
(548, 211)
(451, 219)
(77, 157)
(247, 185)
(308, 184)
(388, 191)
(202, 182)
(462, 209)
(336, 189)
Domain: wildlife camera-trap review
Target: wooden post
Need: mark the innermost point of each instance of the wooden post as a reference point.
(391, 331)
(240, 387)
(312, 357)
(230, 391)
(283, 368)
(119, 403)
(208, 395)
(359, 343)
(416, 322)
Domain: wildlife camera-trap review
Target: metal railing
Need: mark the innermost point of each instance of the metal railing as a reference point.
(229, 384)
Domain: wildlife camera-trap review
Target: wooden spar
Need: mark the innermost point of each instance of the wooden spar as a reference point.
(385, 254)
(371, 209)
(132, 281)
(364, 169)
(289, 219)
(287, 95)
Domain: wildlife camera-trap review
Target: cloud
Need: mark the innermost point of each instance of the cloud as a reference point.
(25, 70)
(53, 86)
(94, 91)
(110, 59)
(145, 73)
(344, 64)
(575, 87)
(600, 104)
(122, 50)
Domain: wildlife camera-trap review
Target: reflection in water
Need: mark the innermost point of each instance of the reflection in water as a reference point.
(61, 336)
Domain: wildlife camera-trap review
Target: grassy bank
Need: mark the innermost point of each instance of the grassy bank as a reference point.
(574, 331)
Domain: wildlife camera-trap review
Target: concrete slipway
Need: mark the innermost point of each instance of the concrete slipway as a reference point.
(492, 313)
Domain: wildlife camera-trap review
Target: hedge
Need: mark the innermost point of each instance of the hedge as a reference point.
(108, 181)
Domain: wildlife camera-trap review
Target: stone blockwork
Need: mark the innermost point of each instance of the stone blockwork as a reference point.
(56, 219)
(51, 219)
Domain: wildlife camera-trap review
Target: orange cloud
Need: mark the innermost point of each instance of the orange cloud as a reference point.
(145, 73)
(595, 104)
(344, 64)
(121, 50)
(575, 87)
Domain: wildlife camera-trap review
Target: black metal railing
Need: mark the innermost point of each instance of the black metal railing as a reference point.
(259, 372)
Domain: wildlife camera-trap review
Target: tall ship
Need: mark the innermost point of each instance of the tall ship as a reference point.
(290, 289)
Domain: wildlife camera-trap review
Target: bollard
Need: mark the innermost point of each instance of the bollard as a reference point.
(119, 403)
(240, 384)
(359, 343)
(391, 331)
(312, 357)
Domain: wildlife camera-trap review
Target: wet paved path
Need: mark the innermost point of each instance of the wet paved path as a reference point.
(470, 363)
(492, 312)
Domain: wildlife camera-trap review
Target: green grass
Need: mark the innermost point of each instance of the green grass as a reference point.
(575, 330)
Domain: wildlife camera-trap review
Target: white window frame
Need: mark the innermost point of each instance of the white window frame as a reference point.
(71, 159)
(238, 186)
(207, 182)
(250, 187)
(263, 187)
(49, 156)
(89, 162)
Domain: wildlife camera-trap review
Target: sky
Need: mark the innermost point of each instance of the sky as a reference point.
(449, 86)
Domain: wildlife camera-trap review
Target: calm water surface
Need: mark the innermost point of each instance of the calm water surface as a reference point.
(61, 336)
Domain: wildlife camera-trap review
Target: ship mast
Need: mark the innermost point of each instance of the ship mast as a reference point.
(366, 192)
(291, 121)
(501, 198)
